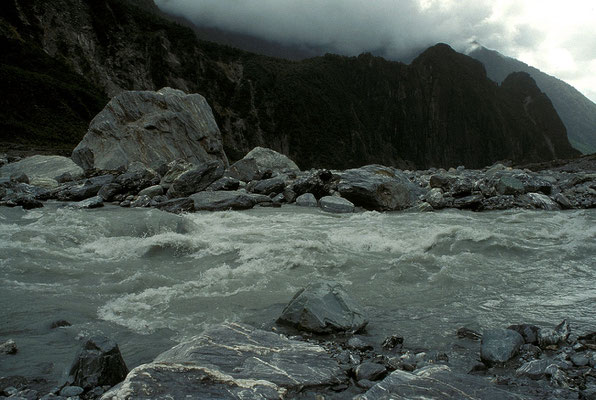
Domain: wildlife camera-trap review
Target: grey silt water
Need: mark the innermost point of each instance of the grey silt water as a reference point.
(149, 279)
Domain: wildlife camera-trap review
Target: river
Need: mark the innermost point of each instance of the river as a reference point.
(149, 279)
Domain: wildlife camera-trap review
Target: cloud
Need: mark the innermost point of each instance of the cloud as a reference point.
(553, 36)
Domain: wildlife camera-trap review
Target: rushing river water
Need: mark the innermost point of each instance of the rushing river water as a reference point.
(149, 279)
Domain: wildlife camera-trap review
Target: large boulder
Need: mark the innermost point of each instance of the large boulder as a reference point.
(43, 170)
(499, 346)
(151, 128)
(232, 361)
(377, 187)
(196, 179)
(337, 205)
(99, 363)
(323, 307)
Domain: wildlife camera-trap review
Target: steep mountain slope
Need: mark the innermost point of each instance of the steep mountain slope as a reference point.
(576, 110)
(329, 111)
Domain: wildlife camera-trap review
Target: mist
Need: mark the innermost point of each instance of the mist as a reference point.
(553, 37)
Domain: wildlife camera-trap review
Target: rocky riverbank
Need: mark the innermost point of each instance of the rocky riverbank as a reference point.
(318, 348)
(267, 178)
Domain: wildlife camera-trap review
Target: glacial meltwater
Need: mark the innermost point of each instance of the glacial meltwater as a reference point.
(149, 279)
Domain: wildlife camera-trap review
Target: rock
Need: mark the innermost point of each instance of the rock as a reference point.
(45, 167)
(93, 202)
(232, 361)
(579, 360)
(110, 191)
(225, 200)
(60, 323)
(508, 185)
(370, 371)
(588, 340)
(267, 159)
(435, 198)
(473, 202)
(141, 201)
(498, 203)
(393, 342)
(196, 179)
(65, 177)
(543, 202)
(151, 128)
(225, 183)
(245, 170)
(273, 185)
(499, 346)
(442, 181)
(152, 191)
(19, 177)
(89, 188)
(177, 206)
(528, 332)
(379, 188)
(358, 344)
(550, 337)
(137, 177)
(335, 204)
(563, 201)
(533, 369)
(318, 182)
(589, 393)
(8, 347)
(98, 363)
(323, 307)
(306, 200)
(71, 391)
(435, 382)
(174, 170)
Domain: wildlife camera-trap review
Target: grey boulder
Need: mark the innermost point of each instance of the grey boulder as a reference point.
(151, 127)
(92, 202)
(334, 204)
(554, 337)
(323, 307)
(499, 346)
(99, 363)
(379, 188)
(508, 185)
(267, 159)
(232, 361)
(535, 369)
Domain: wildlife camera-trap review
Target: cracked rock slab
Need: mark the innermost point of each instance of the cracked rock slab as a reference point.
(232, 361)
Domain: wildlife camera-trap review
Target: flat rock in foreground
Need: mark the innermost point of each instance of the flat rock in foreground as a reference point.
(43, 167)
(151, 127)
(231, 361)
(435, 382)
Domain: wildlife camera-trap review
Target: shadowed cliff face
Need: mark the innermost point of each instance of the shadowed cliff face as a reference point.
(327, 111)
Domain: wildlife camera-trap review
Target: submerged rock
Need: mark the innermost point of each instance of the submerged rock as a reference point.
(151, 127)
(232, 361)
(8, 347)
(323, 307)
(499, 345)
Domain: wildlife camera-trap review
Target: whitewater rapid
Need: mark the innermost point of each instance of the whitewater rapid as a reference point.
(149, 278)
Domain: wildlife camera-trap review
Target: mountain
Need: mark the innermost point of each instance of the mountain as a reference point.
(330, 111)
(576, 110)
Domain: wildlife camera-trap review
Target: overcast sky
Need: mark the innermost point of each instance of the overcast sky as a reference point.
(558, 37)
